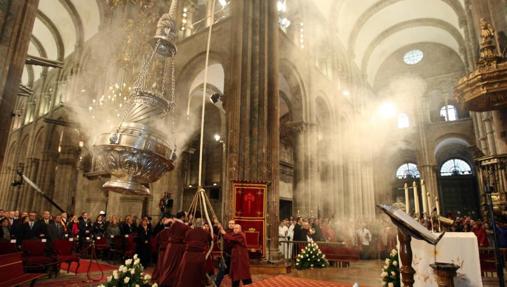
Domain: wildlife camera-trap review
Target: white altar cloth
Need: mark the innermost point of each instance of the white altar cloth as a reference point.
(460, 248)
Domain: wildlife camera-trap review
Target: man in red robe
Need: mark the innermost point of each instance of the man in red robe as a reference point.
(162, 239)
(192, 271)
(482, 236)
(240, 262)
(224, 270)
(174, 251)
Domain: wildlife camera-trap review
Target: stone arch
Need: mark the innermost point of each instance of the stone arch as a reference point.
(39, 143)
(295, 90)
(453, 31)
(379, 6)
(54, 32)
(452, 146)
(188, 73)
(23, 148)
(76, 20)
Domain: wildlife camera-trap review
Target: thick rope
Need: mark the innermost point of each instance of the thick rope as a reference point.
(203, 111)
(200, 190)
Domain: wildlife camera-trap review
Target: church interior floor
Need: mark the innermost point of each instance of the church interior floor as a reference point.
(365, 273)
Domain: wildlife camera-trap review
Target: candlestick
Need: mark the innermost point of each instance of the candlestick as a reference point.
(416, 199)
(407, 199)
(430, 203)
(423, 197)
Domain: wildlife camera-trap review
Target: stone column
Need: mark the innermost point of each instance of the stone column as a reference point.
(27, 193)
(252, 104)
(490, 132)
(65, 177)
(16, 24)
(500, 126)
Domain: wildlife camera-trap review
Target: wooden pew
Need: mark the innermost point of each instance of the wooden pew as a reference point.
(12, 273)
(340, 254)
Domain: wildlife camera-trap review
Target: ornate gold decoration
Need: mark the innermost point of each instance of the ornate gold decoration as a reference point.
(485, 88)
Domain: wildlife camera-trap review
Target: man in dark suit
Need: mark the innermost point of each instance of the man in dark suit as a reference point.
(33, 229)
(45, 222)
(128, 226)
(17, 226)
(56, 230)
(85, 226)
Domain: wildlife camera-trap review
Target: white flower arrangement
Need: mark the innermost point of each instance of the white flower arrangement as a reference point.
(311, 257)
(129, 275)
(391, 271)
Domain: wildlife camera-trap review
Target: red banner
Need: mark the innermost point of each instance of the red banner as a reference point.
(255, 232)
(249, 200)
(250, 211)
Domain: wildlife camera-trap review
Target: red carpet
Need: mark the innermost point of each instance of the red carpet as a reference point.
(83, 267)
(283, 281)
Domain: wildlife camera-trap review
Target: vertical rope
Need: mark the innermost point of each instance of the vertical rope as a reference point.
(203, 111)
(200, 190)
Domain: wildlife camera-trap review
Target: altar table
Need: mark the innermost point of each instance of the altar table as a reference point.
(460, 248)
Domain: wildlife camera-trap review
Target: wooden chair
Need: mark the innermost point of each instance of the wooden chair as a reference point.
(7, 247)
(35, 258)
(12, 273)
(64, 253)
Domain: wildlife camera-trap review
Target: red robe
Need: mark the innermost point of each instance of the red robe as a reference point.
(482, 236)
(240, 262)
(192, 271)
(173, 254)
(162, 240)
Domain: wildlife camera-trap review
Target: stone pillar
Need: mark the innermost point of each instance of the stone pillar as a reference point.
(252, 105)
(65, 177)
(16, 24)
(500, 126)
(490, 132)
(481, 141)
(27, 193)
(45, 178)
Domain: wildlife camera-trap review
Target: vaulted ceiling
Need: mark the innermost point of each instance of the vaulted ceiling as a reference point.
(59, 27)
(372, 30)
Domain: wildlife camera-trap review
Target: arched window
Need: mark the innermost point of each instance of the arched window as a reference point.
(449, 113)
(403, 121)
(413, 57)
(407, 170)
(281, 6)
(455, 166)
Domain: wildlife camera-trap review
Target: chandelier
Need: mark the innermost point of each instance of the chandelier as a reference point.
(136, 153)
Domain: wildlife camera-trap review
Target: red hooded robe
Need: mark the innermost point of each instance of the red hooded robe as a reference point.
(173, 254)
(192, 271)
(240, 262)
(162, 240)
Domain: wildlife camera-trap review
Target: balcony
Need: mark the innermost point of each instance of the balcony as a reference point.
(485, 88)
(492, 172)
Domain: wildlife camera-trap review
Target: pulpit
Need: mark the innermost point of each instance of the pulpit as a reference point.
(250, 212)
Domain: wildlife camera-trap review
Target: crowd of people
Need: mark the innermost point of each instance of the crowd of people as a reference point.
(373, 238)
(181, 242)
(178, 244)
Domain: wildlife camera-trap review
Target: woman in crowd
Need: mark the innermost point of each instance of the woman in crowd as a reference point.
(113, 227)
(143, 239)
(73, 227)
(5, 233)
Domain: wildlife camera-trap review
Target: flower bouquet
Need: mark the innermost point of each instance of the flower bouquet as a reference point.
(129, 275)
(391, 270)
